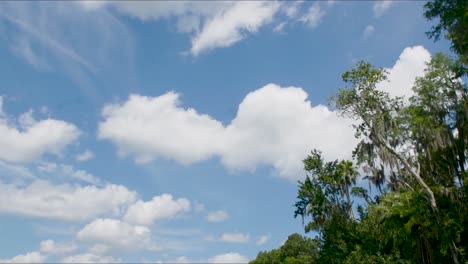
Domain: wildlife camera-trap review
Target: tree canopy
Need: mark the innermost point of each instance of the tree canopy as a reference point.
(414, 155)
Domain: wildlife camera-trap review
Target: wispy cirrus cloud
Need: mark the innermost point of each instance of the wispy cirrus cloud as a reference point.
(39, 33)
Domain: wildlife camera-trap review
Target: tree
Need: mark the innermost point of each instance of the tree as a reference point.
(296, 250)
(453, 19)
(322, 195)
(400, 139)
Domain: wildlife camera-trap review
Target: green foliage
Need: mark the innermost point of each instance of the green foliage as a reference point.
(296, 250)
(453, 20)
(325, 194)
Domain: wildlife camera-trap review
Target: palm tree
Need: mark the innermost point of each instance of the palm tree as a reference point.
(349, 175)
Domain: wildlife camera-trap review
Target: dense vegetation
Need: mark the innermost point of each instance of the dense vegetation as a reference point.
(412, 156)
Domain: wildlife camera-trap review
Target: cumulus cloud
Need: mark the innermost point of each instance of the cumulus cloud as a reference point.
(235, 237)
(147, 126)
(89, 258)
(64, 202)
(160, 207)
(381, 6)
(274, 126)
(32, 257)
(229, 258)
(410, 64)
(30, 139)
(262, 240)
(115, 233)
(56, 248)
(217, 216)
(86, 155)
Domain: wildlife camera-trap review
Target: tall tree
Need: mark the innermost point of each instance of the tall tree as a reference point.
(384, 129)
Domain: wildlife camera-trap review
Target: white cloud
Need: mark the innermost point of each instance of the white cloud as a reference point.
(86, 155)
(381, 6)
(274, 126)
(32, 257)
(65, 202)
(410, 64)
(89, 258)
(229, 27)
(147, 126)
(160, 207)
(55, 248)
(292, 10)
(229, 258)
(280, 27)
(278, 126)
(262, 240)
(115, 233)
(68, 171)
(235, 237)
(31, 139)
(313, 16)
(213, 24)
(217, 216)
(368, 31)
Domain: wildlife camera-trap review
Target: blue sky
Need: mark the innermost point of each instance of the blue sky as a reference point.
(174, 131)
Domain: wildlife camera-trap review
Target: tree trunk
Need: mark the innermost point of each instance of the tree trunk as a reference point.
(350, 209)
(427, 190)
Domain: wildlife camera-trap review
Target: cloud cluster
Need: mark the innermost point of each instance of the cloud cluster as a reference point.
(31, 257)
(25, 139)
(65, 202)
(214, 24)
(274, 126)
